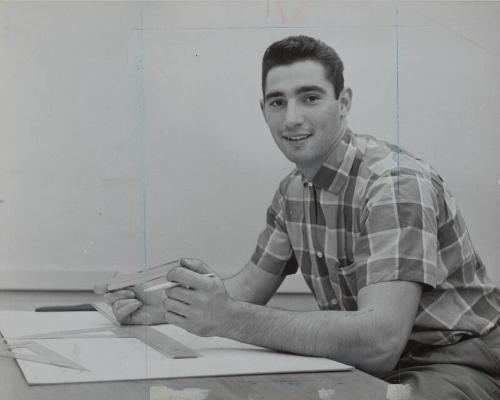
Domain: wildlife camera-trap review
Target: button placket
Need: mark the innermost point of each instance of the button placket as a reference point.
(310, 220)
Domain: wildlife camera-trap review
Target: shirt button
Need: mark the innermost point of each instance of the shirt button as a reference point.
(333, 301)
(319, 254)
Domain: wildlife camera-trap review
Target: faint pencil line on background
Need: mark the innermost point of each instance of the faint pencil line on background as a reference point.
(397, 94)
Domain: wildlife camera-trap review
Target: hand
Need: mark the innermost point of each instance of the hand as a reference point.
(200, 304)
(137, 307)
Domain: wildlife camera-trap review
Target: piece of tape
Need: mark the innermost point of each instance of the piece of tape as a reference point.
(165, 393)
(398, 392)
(326, 394)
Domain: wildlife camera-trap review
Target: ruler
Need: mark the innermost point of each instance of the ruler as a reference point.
(149, 336)
(161, 342)
(89, 333)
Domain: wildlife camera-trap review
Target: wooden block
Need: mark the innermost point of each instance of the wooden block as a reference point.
(122, 281)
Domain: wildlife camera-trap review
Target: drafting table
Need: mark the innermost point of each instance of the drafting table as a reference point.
(346, 385)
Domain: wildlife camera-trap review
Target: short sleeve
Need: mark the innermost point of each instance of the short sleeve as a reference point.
(274, 252)
(398, 231)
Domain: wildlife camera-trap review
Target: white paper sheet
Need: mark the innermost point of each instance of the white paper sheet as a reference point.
(114, 359)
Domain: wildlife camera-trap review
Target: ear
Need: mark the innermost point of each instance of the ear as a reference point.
(345, 101)
(262, 109)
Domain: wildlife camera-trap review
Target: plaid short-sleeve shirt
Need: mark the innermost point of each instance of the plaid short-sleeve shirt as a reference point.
(374, 213)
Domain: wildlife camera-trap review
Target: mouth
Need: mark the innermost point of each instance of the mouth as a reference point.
(297, 138)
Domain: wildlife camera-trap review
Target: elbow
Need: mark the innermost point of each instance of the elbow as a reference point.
(379, 365)
(383, 356)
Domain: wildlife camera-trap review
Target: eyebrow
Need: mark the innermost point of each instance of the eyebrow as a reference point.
(271, 95)
(311, 88)
(300, 90)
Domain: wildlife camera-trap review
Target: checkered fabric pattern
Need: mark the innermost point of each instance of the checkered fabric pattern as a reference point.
(375, 213)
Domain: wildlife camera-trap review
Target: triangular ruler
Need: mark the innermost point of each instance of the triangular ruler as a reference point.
(41, 355)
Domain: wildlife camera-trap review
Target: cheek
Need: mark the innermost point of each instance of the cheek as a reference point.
(274, 121)
(330, 120)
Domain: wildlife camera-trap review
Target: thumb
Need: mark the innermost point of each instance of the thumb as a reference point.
(195, 265)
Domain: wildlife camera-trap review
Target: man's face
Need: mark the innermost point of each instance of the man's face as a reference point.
(302, 113)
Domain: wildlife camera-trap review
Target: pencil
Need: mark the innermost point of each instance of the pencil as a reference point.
(167, 285)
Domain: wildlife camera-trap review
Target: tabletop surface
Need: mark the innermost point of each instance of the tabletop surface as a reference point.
(301, 386)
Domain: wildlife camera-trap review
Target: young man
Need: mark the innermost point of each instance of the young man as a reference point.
(377, 237)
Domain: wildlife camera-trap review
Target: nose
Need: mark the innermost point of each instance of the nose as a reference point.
(293, 117)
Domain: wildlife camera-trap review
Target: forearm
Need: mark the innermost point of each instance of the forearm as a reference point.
(352, 337)
(252, 285)
(237, 290)
(371, 338)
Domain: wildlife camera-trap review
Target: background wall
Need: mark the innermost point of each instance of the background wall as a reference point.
(131, 134)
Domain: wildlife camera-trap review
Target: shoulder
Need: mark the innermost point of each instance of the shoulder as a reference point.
(391, 171)
(382, 158)
(384, 163)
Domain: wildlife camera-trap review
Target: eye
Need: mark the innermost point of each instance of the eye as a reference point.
(277, 103)
(311, 99)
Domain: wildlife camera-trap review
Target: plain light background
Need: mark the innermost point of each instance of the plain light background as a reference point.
(131, 133)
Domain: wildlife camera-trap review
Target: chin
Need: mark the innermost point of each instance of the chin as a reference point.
(298, 160)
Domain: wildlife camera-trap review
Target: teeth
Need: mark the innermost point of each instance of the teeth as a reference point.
(296, 138)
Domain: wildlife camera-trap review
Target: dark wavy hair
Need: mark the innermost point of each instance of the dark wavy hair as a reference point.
(301, 48)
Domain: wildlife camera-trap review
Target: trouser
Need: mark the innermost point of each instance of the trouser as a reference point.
(467, 370)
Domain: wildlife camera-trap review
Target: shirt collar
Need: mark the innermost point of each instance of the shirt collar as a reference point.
(334, 172)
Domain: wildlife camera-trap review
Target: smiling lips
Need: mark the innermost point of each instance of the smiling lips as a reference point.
(297, 138)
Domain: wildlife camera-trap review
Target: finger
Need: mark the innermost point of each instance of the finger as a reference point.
(148, 315)
(111, 297)
(181, 294)
(189, 278)
(175, 319)
(140, 318)
(177, 307)
(195, 265)
(148, 298)
(124, 308)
